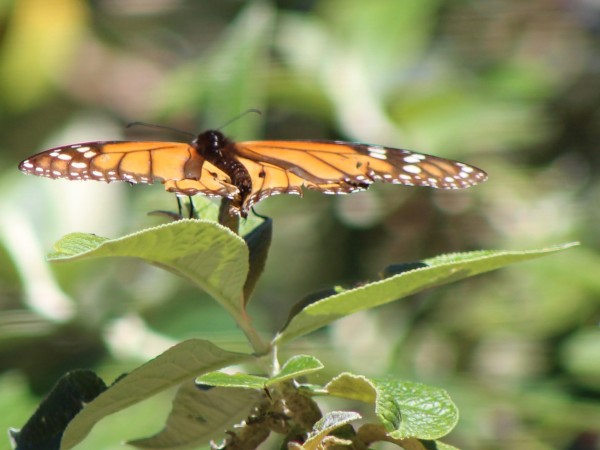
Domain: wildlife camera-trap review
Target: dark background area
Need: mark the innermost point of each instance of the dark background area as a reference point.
(512, 87)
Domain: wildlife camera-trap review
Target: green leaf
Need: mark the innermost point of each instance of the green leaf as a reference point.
(204, 252)
(324, 427)
(237, 380)
(258, 242)
(441, 270)
(66, 399)
(406, 409)
(198, 416)
(297, 366)
(178, 364)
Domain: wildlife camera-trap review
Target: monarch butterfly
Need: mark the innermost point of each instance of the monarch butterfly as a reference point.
(247, 172)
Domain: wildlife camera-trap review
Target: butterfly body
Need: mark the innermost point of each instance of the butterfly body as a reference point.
(247, 172)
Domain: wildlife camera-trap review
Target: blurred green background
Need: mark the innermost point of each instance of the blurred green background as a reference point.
(507, 85)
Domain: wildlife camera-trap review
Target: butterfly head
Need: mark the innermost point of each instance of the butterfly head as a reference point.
(210, 142)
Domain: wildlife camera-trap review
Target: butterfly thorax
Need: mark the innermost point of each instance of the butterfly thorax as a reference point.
(219, 151)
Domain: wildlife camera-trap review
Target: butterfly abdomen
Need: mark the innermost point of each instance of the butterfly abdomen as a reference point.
(220, 151)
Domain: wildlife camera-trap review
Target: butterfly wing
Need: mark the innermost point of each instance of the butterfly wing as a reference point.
(175, 164)
(335, 167)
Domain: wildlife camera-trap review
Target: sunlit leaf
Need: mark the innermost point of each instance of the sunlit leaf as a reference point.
(204, 252)
(178, 364)
(440, 270)
(406, 409)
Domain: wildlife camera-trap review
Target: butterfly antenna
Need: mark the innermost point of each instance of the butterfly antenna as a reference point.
(239, 116)
(161, 127)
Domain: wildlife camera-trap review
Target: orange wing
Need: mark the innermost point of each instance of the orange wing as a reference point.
(334, 167)
(175, 164)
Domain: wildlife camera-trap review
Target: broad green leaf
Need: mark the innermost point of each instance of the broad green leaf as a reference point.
(178, 364)
(199, 416)
(204, 252)
(406, 409)
(441, 270)
(324, 427)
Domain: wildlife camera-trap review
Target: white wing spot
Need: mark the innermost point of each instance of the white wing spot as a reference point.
(78, 165)
(449, 180)
(82, 149)
(414, 159)
(55, 153)
(411, 169)
(56, 173)
(65, 157)
(27, 165)
(39, 169)
(377, 151)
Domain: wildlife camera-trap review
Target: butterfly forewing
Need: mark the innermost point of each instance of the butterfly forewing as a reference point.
(340, 167)
(176, 164)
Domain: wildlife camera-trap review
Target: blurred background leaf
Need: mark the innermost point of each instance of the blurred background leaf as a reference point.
(507, 85)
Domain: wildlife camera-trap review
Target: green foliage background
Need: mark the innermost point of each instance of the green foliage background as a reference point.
(507, 85)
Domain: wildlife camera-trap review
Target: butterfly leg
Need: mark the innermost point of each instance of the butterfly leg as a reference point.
(260, 216)
(191, 207)
(179, 210)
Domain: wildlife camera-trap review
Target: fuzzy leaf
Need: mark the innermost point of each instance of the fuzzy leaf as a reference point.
(297, 366)
(178, 364)
(204, 252)
(440, 270)
(199, 416)
(405, 409)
